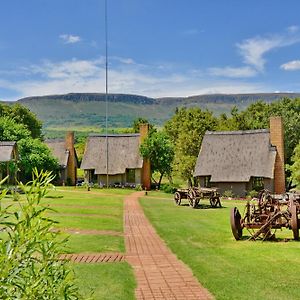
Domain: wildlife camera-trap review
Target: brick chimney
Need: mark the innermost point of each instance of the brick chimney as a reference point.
(72, 164)
(146, 170)
(277, 139)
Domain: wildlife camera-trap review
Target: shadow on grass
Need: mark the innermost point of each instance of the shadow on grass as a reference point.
(54, 197)
(273, 239)
(203, 206)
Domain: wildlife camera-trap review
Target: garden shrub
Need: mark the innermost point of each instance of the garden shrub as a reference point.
(138, 187)
(252, 194)
(228, 194)
(169, 188)
(29, 249)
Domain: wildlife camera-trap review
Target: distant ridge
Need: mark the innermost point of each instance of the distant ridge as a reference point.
(230, 98)
(79, 97)
(88, 109)
(138, 99)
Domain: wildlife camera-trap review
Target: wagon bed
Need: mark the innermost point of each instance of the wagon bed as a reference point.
(194, 195)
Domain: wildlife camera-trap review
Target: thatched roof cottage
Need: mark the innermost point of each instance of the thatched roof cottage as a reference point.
(122, 162)
(64, 151)
(8, 153)
(241, 161)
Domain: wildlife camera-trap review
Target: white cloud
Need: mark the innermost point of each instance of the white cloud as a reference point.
(291, 65)
(89, 76)
(242, 72)
(254, 49)
(70, 39)
(65, 69)
(293, 29)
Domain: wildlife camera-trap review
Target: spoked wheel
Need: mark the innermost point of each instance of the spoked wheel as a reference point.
(177, 198)
(214, 202)
(294, 222)
(195, 202)
(192, 197)
(235, 221)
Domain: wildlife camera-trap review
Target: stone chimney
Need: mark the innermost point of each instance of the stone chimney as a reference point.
(72, 164)
(146, 170)
(277, 139)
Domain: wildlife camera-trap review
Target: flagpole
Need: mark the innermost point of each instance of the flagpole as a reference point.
(106, 92)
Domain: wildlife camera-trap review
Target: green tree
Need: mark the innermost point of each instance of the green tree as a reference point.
(23, 115)
(34, 154)
(295, 168)
(186, 130)
(257, 116)
(12, 131)
(159, 149)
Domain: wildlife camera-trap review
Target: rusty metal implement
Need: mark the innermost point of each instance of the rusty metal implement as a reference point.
(265, 214)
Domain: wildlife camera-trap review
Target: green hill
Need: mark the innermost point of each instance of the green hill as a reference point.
(88, 109)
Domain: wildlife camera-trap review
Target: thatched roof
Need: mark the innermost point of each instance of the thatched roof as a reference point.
(123, 153)
(7, 151)
(58, 149)
(235, 156)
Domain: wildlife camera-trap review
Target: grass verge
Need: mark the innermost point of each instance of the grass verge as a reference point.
(110, 281)
(230, 269)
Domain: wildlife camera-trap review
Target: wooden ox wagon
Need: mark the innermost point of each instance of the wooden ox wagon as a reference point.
(194, 195)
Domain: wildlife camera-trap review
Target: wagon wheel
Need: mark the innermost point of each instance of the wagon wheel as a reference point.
(177, 198)
(235, 221)
(195, 203)
(192, 197)
(294, 222)
(214, 201)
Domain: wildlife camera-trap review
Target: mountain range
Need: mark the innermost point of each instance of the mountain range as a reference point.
(77, 110)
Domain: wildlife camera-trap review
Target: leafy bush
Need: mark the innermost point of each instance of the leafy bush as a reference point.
(96, 186)
(169, 188)
(138, 187)
(29, 250)
(228, 194)
(252, 194)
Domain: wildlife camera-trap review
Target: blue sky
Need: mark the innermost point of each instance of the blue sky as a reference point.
(156, 47)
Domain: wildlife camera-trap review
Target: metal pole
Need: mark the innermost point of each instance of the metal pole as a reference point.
(106, 91)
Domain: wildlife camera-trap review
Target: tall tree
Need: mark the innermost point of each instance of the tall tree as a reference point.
(159, 149)
(10, 130)
(23, 115)
(295, 168)
(186, 130)
(33, 152)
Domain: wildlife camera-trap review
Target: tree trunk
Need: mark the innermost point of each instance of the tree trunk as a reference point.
(160, 178)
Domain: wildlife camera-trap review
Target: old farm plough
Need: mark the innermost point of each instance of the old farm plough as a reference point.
(262, 216)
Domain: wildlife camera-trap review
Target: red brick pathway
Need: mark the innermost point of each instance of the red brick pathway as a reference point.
(159, 274)
(93, 257)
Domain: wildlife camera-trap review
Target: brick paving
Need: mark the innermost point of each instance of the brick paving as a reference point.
(159, 274)
(93, 257)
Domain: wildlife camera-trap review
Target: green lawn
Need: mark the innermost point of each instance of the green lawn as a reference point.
(94, 243)
(111, 281)
(230, 269)
(98, 209)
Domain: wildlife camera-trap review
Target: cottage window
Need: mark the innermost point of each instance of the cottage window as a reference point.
(257, 183)
(130, 175)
